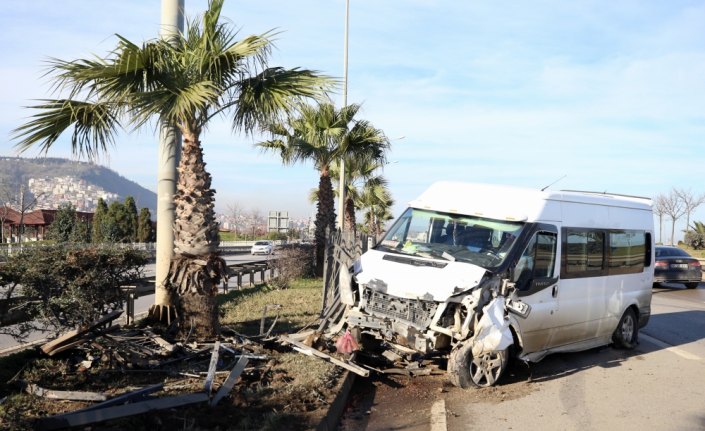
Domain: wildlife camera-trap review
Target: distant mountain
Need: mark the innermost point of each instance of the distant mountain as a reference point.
(92, 181)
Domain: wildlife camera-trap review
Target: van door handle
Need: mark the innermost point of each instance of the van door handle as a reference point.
(555, 290)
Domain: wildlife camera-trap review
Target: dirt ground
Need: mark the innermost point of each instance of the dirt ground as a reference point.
(389, 394)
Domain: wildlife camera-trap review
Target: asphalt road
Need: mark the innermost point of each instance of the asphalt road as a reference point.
(142, 303)
(660, 385)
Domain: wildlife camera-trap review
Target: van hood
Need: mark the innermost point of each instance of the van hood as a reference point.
(413, 277)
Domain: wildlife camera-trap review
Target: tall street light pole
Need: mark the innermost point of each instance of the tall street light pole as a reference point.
(341, 180)
(172, 23)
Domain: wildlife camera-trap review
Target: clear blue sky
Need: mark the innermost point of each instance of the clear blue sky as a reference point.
(611, 94)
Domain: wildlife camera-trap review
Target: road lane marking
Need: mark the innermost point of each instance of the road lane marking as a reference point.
(678, 351)
(438, 416)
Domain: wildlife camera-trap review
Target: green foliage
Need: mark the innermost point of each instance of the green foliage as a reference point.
(69, 227)
(65, 287)
(64, 223)
(98, 233)
(145, 230)
(131, 218)
(277, 236)
(695, 238)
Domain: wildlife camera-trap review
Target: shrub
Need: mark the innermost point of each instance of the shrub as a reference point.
(695, 240)
(65, 287)
(293, 261)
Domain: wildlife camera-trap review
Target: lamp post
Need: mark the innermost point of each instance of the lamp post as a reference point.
(341, 180)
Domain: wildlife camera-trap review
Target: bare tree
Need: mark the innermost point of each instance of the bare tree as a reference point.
(235, 211)
(690, 203)
(674, 208)
(256, 220)
(5, 199)
(659, 211)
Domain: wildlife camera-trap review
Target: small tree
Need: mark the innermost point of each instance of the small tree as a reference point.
(674, 208)
(690, 203)
(98, 233)
(131, 218)
(145, 230)
(64, 224)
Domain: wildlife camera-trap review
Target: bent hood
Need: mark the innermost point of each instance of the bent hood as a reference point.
(416, 277)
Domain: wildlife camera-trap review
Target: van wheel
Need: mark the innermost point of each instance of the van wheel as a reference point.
(692, 285)
(627, 332)
(466, 371)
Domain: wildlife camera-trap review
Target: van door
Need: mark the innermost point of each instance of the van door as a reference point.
(536, 281)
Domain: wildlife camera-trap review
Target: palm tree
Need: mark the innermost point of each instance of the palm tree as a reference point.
(182, 82)
(377, 201)
(324, 134)
(360, 175)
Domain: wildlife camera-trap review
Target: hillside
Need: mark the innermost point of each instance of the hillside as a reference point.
(15, 171)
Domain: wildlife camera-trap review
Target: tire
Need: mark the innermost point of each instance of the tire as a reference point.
(656, 284)
(692, 285)
(465, 371)
(626, 335)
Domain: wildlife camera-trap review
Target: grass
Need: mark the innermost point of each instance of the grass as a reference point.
(300, 306)
(700, 254)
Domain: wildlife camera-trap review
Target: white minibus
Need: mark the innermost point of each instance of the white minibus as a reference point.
(484, 272)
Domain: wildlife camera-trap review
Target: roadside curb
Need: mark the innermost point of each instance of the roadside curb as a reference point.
(337, 407)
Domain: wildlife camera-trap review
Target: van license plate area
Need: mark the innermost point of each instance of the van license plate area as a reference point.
(679, 266)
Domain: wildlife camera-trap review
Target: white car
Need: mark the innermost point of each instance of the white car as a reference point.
(262, 247)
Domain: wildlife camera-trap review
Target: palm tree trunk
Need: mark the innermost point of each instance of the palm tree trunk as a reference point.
(196, 268)
(325, 217)
(349, 214)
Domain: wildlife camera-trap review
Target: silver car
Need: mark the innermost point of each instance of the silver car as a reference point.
(262, 247)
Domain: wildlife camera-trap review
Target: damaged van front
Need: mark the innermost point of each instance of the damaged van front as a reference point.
(475, 271)
(424, 286)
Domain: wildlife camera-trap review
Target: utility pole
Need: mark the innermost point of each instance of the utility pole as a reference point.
(341, 179)
(172, 23)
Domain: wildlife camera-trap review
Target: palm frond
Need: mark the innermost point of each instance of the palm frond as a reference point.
(274, 91)
(94, 126)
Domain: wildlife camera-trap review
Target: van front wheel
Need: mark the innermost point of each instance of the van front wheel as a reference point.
(627, 332)
(465, 370)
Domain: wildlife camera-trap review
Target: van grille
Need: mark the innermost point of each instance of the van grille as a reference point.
(416, 312)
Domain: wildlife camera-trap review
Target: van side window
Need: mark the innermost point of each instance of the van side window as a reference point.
(627, 251)
(583, 252)
(537, 261)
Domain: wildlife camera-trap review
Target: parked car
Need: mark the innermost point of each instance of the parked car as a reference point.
(675, 265)
(262, 247)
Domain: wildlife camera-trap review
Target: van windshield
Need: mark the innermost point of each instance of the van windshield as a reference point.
(481, 241)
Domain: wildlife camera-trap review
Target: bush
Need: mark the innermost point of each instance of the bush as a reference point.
(695, 240)
(65, 287)
(294, 261)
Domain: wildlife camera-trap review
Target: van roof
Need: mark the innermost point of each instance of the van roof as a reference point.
(511, 203)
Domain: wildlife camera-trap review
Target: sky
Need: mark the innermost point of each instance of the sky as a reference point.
(585, 95)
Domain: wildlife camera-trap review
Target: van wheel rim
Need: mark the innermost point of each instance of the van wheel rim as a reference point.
(627, 328)
(486, 368)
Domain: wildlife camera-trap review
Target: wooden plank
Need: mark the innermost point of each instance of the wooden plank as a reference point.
(64, 395)
(132, 396)
(301, 347)
(48, 347)
(211, 368)
(115, 412)
(230, 381)
(162, 342)
(83, 339)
